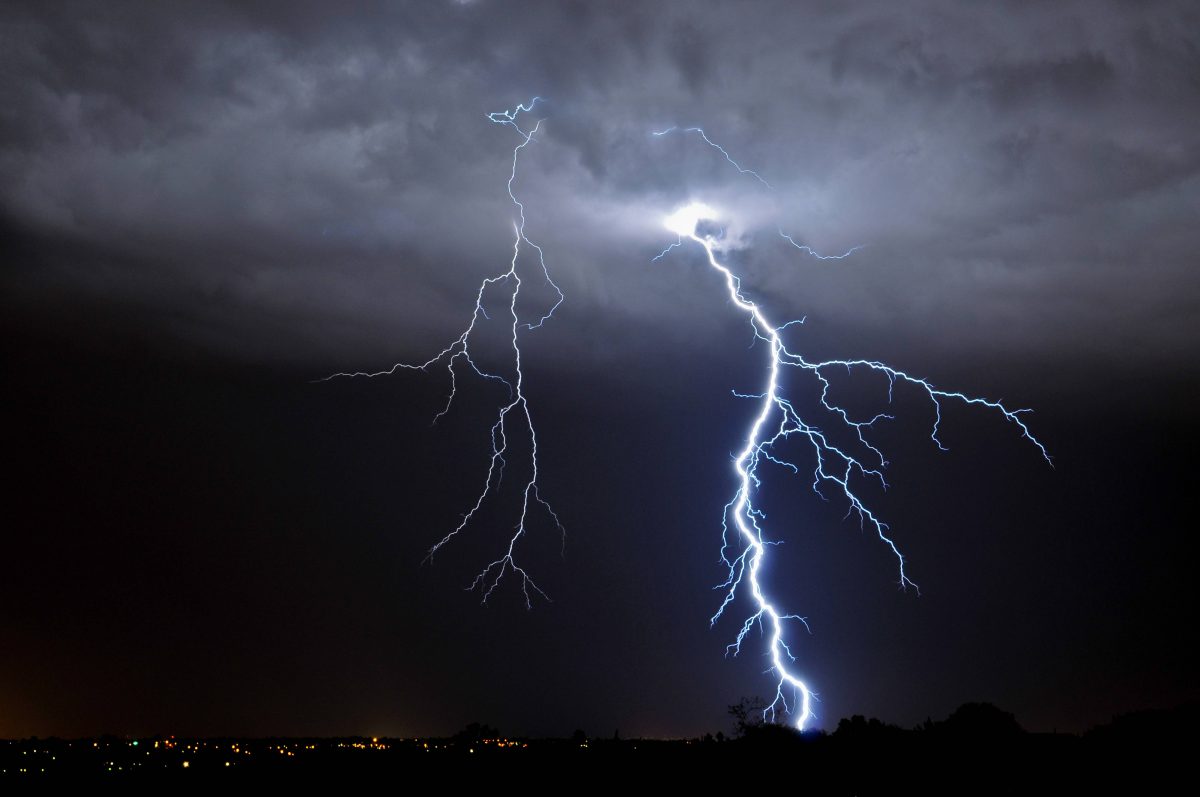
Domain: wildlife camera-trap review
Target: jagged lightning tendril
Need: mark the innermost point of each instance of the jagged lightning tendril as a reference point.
(516, 408)
(808, 250)
(779, 421)
(717, 147)
(741, 170)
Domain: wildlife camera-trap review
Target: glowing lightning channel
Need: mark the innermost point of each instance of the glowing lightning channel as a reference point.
(778, 421)
(717, 147)
(517, 405)
(808, 250)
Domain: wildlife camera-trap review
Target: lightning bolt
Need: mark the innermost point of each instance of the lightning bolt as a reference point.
(515, 410)
(777, 422)
(836, 467)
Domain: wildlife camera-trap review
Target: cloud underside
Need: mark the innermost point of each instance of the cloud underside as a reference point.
(274, 179)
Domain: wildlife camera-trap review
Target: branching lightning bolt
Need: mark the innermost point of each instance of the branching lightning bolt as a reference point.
(508, 284)
(778, 421)
(808, 250)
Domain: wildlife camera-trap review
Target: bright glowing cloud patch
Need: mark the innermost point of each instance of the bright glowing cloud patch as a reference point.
(684, 220)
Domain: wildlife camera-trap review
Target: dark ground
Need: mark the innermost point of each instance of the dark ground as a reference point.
(979, 748)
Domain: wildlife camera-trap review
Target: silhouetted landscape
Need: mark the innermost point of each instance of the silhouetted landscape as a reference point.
(979, 747)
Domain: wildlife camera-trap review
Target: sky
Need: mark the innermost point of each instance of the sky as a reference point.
(206, 207)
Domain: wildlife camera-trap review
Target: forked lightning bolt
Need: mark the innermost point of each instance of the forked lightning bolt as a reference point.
(808, 250)
(508, 285)
(777, 422)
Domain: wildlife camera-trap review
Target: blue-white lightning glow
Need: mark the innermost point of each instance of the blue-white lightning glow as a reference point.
(808, 250)
(744, 543)
(777, 422)
(508, 284)
(717, 147)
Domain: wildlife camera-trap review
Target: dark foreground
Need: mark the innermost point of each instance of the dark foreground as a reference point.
(978, 749)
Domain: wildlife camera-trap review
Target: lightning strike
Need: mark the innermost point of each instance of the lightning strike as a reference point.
(776, 422)
(836, 467)
(507, 284)
(808, 250)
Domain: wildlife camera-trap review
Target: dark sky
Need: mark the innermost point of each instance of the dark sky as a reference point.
(205, 207)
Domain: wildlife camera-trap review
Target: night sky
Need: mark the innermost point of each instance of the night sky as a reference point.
(203, 208)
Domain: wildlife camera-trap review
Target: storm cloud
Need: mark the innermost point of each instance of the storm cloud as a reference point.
(285, 182)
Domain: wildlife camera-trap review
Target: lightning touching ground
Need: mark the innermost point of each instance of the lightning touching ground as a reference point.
(778, 421)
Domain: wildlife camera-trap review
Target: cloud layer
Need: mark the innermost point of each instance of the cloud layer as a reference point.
(281, 182)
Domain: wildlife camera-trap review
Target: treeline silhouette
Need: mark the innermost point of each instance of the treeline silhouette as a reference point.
(979, 748)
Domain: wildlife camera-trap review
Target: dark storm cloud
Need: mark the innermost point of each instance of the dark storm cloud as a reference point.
(275, 179)
(203, 206)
